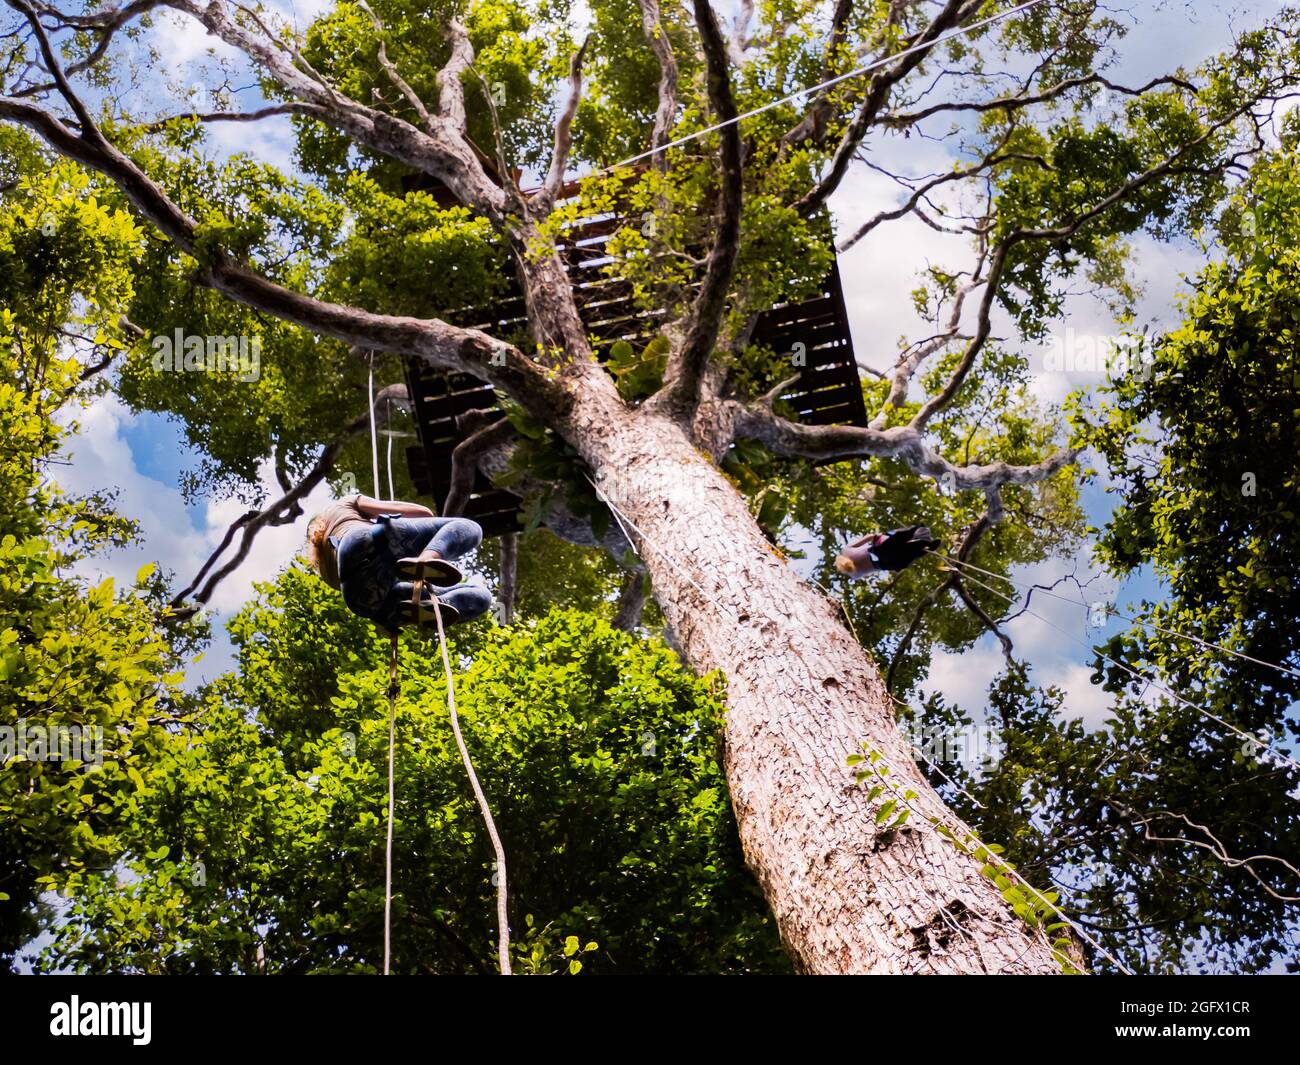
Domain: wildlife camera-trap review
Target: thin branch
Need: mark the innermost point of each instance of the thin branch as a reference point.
(687, 362)
(902, 442)
(293, 107)
(666, 111)
(253, 522)
(544, 201)
(440, 344)
(390, 69)
(878, 89)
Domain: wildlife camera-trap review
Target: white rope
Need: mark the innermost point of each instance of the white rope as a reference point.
(960, 31)
(503, 933)
(503, 925)
(945, 815)
(391, 493)
(374, 440)
(1255, 741)
(388, 846)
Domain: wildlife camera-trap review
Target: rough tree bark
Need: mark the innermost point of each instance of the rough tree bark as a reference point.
(802, 694)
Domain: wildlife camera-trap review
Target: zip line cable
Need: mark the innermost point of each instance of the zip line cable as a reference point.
(943, 38)
(1255, 741)
(1136, 621)
(945, 815)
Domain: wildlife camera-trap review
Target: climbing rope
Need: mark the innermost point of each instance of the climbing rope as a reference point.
(503, 925)
(374, 440)
(394, 689)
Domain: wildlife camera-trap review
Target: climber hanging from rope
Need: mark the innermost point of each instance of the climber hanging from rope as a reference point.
(893, 550)
(373, 550)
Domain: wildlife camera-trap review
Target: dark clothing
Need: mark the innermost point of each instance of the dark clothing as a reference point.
(900, 548)
(367, 565)
(893, 550)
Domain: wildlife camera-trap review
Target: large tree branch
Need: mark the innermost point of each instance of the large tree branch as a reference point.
(464, 462)
(443, 152)
(878, 88)
(666, 111)
(704, 322)
(440, 344)
(903, 442)
(451, 93)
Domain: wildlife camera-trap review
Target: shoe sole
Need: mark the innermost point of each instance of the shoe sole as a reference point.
(426, 615)
(436, 571)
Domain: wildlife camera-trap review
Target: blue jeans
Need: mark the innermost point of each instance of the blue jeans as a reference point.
(368, 573)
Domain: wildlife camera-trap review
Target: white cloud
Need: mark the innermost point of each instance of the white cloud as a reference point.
(177, 537)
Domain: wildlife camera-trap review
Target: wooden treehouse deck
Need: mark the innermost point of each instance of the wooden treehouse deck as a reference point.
(828, 391)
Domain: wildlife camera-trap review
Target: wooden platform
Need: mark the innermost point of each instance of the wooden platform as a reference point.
(828, 391)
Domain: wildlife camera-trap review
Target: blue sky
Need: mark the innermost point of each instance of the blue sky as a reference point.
(144, 456)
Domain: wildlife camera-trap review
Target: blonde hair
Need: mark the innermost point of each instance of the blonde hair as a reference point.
(316, 530)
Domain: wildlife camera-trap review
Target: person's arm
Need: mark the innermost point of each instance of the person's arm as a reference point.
(372, 508)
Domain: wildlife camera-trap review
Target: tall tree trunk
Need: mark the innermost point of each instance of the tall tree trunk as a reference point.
(848, 896)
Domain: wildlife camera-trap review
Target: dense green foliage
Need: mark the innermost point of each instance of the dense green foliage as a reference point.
(258, 846)
(75, 653)
(247, 835)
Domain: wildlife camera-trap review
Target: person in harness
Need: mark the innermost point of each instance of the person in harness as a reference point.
(374, 550)
(893, 550)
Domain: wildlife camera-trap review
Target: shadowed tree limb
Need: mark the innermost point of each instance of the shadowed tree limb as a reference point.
(631, 602)
(687, 362)
(508, 591)
(464, 462)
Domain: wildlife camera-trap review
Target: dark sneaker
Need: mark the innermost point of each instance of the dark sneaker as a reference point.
(424, 614)
(430, 568)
